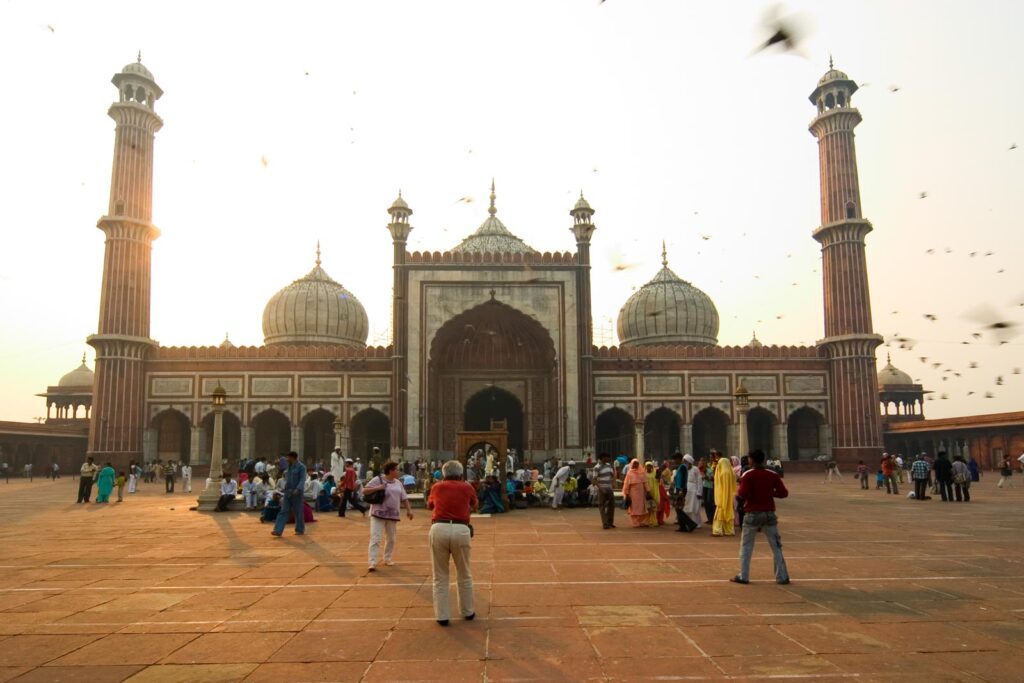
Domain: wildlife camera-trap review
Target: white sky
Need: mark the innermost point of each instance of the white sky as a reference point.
(656, 109)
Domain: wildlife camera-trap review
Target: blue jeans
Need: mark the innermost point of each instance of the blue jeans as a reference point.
(291, 505)
(769, 523)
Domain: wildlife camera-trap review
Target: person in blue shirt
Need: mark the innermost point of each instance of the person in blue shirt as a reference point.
(291, 501)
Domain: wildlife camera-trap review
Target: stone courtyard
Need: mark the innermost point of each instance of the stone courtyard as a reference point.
(884, 588)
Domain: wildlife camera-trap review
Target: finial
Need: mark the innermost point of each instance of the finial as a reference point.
(755, 334)
(888, 358)
(138, 60)
(83, 357)
(664, 255)
(226, 337)
(581, 194)
(492, 210)
(830, 65)
(318, 253)
(399, 193)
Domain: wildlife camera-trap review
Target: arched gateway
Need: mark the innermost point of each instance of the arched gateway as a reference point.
(493, 362)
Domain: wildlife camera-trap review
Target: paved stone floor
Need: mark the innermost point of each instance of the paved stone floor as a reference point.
(884, 588)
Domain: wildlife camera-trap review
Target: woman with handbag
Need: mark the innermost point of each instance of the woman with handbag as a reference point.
(386, 495)
(961, 480)
(636, 490)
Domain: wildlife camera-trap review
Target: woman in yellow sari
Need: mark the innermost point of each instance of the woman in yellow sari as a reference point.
(725, 499)
(652, 486)
(634, 490)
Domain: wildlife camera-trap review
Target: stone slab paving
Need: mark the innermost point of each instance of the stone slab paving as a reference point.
(884, 588)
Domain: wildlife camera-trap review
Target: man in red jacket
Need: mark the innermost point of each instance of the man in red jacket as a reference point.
(759, 487)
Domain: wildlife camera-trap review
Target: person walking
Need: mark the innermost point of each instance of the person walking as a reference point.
(635, 491)
(944, 476)
(759, 488)
(694, 491)
(889, 474)
(384, 516)
(169, 476)
(349, 484)
(133, 477)
(5, 471)
(451, 502)
(725, 499)
(85, 480)
(862, 474)
(919, 474)
(55, 471)
(119, 482)
(1005, 474)
(104, 483)
(961, 480)
(291, 501)
(708, 484)
(186, 478)
(972, 467)
(604, 479)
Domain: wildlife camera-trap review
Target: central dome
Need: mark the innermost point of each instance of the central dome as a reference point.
(315, 310)
(493, 237)
(668, 310)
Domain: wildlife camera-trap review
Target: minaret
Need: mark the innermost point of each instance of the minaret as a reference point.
(122, 341)
(849, 340)
(582, 229)
(399, 228)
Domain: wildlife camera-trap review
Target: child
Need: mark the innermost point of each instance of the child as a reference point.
(259, 491)
(862, 474)
(272, 507)
(119, 483)
(879, 479)
(248, 495)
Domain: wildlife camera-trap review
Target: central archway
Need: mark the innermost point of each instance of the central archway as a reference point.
(493, 361)
(496, 404)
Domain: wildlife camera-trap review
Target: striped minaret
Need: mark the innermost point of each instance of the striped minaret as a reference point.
(849, 340)
(122, 341)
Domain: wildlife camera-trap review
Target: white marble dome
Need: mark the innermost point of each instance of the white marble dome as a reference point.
(891, 376)
(315, 310)
(668, 310)
(81, 376)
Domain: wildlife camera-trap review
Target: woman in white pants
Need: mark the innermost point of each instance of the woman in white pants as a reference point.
(384, 516)
(186, 478)
(451, 500)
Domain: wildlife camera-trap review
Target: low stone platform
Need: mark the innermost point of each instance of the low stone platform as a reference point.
(884, 588)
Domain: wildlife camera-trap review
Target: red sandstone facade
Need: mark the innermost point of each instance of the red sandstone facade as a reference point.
(490, 328)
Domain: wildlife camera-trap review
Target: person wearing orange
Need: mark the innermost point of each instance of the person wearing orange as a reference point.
(635, 489)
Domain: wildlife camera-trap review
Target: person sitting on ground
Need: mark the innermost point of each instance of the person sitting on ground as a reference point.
(490, 495)
(583, 489)
(540, 489)
(272, 507)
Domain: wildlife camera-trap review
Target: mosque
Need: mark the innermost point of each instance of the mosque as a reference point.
(488, 329)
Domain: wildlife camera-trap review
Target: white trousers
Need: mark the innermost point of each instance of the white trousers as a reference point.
(556, 500)
(131, 483)
(451, 540)
(381, 530)
(186, 483)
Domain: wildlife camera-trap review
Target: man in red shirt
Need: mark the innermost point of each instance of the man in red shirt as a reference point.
(451, 502)
(348, 490)
(759, 487)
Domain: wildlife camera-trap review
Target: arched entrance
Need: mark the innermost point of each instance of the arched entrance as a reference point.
(272, 433)
(173, 436)
(804, 431)
(318, 431)
(615, 433)
(661, 434)
(710, 430)
(496, 404)
(760, 423)
(370, 428)
(493, 346)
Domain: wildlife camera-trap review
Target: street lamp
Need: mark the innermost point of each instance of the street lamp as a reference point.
(211, 494)
(742, 397)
